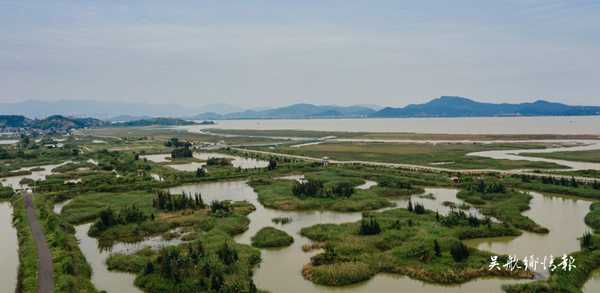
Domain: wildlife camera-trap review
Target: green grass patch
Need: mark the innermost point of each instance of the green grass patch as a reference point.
(506, 207)
(405, 246)
(271, 237)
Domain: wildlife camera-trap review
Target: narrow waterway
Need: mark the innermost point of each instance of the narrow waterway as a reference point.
(280, 270)
(9, 257)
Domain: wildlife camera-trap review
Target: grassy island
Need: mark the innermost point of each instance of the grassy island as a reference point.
(420, 244)
(504, 204)
(211, 263)
(271, 237)
(332, 190)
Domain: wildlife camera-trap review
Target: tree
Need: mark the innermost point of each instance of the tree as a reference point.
(436, 248)
(410, 206)
(200, 172)
(272, 165)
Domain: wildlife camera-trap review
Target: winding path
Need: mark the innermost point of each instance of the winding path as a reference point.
(417, 167)
(45, 266)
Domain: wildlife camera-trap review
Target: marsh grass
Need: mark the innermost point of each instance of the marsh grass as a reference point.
(507, 207)
(282, 220)
(271, 237)
(400, 247)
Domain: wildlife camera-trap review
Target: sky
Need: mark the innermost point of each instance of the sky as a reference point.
(278, 53)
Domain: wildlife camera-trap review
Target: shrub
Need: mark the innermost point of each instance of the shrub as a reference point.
(459, 252)
(271, 237)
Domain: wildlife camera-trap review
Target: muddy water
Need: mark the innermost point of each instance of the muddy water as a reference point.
(102, 278)
(280, 270)
(35, 175)
(514, 155)
(9, 257)
(562, 215)
(593, 284)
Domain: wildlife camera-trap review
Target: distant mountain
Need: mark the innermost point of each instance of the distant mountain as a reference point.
(447, 106)
(372, 106)
(208, 115)
(128, 118)
(219, 108)
(260, 109)
(328, 113)
(41, 109)
(299, 111)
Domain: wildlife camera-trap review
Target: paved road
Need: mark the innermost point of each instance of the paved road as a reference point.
(417, 167)
(45, 266)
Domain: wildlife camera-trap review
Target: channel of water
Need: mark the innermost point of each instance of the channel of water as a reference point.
(280, 269)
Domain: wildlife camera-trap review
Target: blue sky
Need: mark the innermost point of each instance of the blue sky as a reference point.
(277, 53)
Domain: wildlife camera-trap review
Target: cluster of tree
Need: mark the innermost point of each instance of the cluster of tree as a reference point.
(554, 181)
(316, 188)
(393, 183)
(154, 121)
(494, 187)
(220, 208)
(369, 227)
(217, 162)
(272, 165)
(176, 202)
(181, 153)
(174, 142)
(459, 252)
(596, 185)
(586, 240)
(460, 218)
(418, 208)
(207, 271)
(200, 172)
(126, 215)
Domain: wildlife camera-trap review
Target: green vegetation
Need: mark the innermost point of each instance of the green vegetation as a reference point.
(271, 237)
(181, 153)
(72, 273)
(419, 154)
(278, 194)
(561, 280)
(579, 156)
(406, 244)
(213, 262)
(505, 204)
(554, 185)
(154, 121)
(593, 217)
(6, 192)
(218, 162)
(282, 220)
(27, 272)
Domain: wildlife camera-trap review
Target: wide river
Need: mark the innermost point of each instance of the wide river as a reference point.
(463, 125)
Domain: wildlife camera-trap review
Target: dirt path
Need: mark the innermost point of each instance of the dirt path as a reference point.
(416, 167)
(45, 266)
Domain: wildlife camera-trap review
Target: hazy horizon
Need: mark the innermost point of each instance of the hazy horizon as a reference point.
(266, 53)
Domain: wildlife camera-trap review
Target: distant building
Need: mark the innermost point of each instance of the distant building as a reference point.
(325, 161)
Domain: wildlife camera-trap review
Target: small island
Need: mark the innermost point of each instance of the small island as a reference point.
(271, 237)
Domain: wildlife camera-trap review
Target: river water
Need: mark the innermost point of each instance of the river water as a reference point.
(280, 269)
(9, 257)
(462, 125)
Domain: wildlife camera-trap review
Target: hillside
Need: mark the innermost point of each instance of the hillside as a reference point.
(154, 121)
(12, 121)
(446, 106)
(58, 121)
